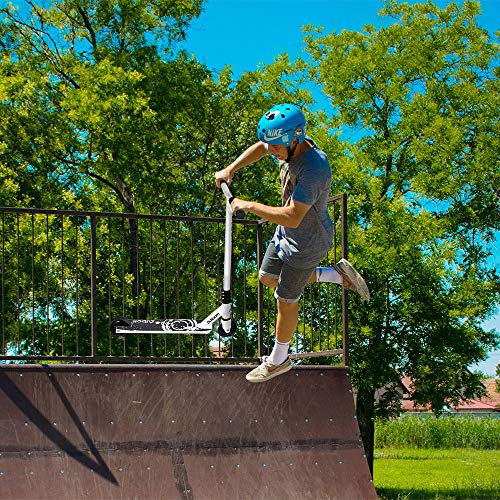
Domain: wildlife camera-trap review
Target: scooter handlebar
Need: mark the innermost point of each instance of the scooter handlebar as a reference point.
(239, 214)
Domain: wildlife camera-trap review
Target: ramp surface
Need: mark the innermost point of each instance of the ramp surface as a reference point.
(178, 432)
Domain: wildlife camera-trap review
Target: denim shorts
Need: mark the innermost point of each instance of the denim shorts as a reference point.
(291, 280)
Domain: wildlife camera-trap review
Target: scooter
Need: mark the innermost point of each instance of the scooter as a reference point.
(227, 326)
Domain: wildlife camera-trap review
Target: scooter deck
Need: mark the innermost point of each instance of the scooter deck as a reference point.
(124, 326)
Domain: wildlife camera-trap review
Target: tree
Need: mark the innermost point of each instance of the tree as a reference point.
(124, 119)
(90, 72)
(419, 100)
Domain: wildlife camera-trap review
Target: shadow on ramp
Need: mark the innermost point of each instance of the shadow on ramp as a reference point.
(178, 432)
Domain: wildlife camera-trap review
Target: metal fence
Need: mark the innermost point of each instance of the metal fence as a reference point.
(66, 274)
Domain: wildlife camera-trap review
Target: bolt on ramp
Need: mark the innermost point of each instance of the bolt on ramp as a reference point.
(178, 432)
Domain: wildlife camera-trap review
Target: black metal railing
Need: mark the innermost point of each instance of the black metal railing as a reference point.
(66, 274)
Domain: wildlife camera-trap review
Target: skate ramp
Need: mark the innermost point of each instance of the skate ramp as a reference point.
(178, 432)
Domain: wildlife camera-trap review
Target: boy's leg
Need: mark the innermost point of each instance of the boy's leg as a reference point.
(289, 284)
(326, 275)
(342, 273)
(286, 323)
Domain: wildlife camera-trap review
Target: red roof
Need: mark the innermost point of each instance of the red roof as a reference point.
(488, 403)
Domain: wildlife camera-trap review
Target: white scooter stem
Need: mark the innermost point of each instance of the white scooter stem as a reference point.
(228, 248)
(228, 254)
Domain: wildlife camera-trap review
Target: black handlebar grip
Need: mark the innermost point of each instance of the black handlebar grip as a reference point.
(239, 214)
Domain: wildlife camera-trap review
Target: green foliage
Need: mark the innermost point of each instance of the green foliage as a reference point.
(124, 120)
(443, 432)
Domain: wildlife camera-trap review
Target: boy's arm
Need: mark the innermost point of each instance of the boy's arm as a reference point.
(250, 155)
(290, 215)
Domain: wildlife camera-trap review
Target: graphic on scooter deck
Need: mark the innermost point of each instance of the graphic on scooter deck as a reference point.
(227, 326)
(123, 326)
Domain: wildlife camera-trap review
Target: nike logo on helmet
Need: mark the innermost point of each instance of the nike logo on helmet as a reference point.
(272, 135)
(273, 138)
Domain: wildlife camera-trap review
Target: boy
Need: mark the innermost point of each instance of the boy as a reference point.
(304, 229)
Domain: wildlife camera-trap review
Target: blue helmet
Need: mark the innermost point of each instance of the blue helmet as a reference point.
(282, 124)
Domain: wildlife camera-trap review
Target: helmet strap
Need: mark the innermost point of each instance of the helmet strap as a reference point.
(291, 152)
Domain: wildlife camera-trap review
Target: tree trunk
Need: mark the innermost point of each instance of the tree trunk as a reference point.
(365, 409)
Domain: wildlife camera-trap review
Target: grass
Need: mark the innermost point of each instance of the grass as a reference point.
(439, 474)
(443, 432)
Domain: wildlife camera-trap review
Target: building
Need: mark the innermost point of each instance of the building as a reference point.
(487, 406)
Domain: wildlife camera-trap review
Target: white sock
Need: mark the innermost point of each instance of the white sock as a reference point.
(279, 353)
(328, 275)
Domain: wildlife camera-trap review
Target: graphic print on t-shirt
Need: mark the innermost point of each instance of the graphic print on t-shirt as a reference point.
(288, 182)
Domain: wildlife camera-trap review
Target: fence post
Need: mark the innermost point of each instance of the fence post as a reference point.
(260, 291)
(345, 296)
(93, 284)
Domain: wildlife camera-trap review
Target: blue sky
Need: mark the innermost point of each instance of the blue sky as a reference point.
(247, 33)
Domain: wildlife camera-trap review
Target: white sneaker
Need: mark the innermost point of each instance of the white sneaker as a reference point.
(352, 279)
(266, 370)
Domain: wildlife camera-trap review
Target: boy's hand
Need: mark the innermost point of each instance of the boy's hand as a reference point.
(243, 205)
(223, 175)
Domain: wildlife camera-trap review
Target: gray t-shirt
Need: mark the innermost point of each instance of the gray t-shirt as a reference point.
(307, 179)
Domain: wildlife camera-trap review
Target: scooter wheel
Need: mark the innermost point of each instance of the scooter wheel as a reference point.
(230, 333)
